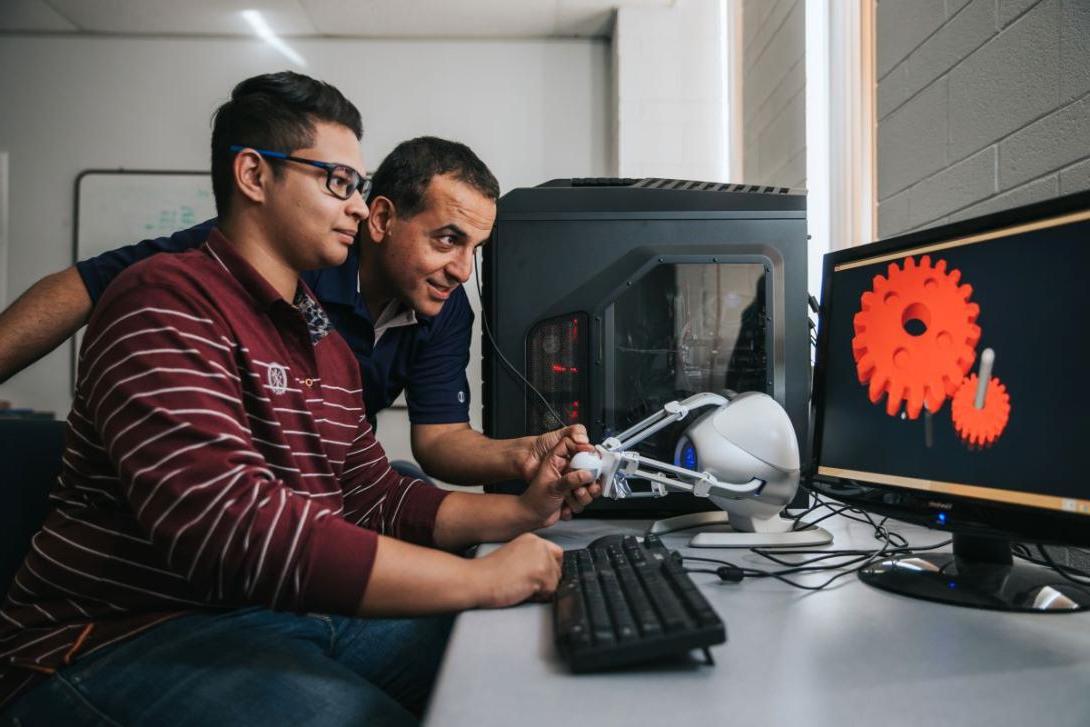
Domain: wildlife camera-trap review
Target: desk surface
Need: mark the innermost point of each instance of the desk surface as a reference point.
(849, 655)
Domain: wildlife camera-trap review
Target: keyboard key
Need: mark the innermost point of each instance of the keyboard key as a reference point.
(697, 605)
(642, 612)
(622, 615)
(600, 624)
(571, 620)
(665, 602)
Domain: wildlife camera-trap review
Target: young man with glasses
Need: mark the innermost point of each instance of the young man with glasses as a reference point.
(224, 514)
(397, 300)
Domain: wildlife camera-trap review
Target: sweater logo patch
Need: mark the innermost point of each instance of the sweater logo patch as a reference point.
(278, 378)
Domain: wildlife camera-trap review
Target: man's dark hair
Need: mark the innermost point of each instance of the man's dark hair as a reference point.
(404, 174)
(277, 112)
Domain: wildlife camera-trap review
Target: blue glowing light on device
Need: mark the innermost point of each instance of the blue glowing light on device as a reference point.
(686, 455)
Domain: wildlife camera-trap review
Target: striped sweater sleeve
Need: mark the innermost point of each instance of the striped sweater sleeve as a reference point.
(160, 378)
(378, 498)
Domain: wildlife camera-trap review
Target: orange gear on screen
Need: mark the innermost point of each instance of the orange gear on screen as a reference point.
(980, 427)
(915, 336)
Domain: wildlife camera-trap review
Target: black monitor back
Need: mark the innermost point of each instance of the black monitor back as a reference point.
(615, 296)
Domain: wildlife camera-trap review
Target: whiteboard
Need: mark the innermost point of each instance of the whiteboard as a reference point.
(117, 208)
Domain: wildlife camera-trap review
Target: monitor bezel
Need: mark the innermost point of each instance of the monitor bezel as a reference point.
(939, 510)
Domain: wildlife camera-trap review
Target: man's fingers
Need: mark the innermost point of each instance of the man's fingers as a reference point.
(561, 453)
(578, 498)
(582, 496)
(569, 445)
(565, 448)
(578, 434)
(575, 479)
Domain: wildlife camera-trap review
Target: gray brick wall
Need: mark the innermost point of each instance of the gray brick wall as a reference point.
(982, 105)
(773, 94)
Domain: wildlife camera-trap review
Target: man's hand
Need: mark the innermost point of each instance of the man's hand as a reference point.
(540, 446)
(526, 568)
(553, 487)
(576, 499)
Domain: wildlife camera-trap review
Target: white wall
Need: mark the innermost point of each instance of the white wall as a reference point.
(774, 92)
(671, 88)
(982, 107)
(532, 109)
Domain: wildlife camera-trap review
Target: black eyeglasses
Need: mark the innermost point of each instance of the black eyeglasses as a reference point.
(340, 180)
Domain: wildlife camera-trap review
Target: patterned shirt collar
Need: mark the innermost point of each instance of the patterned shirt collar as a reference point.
(318, 323)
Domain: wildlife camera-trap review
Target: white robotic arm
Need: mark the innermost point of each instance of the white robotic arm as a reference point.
(748, 434)
(627, 465)
(745, 453)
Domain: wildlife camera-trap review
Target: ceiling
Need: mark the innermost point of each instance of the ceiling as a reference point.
(325, 18)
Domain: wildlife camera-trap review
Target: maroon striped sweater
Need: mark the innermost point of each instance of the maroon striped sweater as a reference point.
(217, 455)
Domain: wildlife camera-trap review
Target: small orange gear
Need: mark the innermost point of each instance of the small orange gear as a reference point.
(927, 361)
(980, 427)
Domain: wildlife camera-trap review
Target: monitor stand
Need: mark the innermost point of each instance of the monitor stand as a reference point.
(774, 532)
(980, 573)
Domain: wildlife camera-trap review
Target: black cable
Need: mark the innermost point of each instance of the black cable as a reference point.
(798, 566)
(496, 348)
(1022, 550)
(755, 573)
(855, 559)
(801, 524)
(1019, 550)
(821, 555)
(893, 544)
(781, 575)
(1067, 572)
(880, 531)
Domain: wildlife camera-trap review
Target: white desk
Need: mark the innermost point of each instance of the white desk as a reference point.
(849, 655)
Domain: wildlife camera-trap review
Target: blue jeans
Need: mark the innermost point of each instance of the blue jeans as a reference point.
(248, 667)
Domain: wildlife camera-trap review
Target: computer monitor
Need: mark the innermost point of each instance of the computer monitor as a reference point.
(904, 427)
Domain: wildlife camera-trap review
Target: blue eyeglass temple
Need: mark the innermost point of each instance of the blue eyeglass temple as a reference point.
(361, 186)
(235, 148)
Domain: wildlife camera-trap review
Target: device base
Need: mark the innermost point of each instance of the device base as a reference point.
(775, 533)
(790, 539)
(686, 521)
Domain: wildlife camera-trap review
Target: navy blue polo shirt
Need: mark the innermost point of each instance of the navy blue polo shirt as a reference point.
(426, 359)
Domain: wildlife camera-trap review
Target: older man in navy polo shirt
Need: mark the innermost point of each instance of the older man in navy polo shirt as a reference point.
(398, 300)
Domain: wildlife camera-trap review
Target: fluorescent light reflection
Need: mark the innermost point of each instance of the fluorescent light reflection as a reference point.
(262, 30)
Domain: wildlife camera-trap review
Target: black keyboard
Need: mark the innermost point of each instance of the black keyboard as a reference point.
(628, 602)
